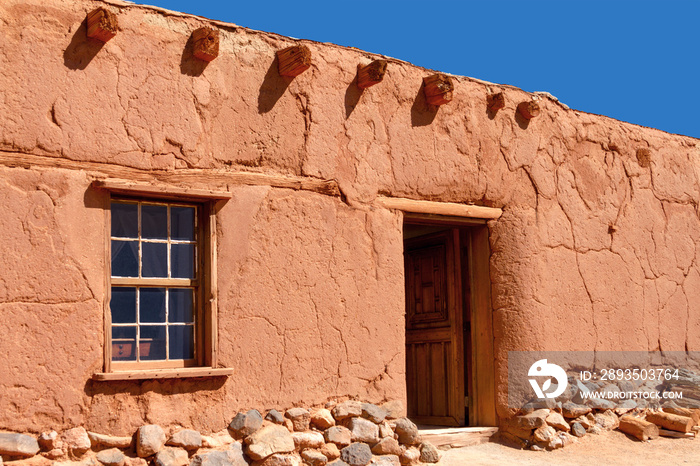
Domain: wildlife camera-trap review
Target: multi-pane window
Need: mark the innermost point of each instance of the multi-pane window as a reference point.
(154, 283)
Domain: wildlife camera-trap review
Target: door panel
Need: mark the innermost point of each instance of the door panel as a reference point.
(434, 333)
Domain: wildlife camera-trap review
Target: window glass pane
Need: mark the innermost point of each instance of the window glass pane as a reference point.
(182, 260)
(180, 305)
(125, 262)
(123, 343)
(181, 341)
(125, 220)
(182, 223)
(123, 305)
(152, 342)
(154, 221)
(152, 305)
(155, 260)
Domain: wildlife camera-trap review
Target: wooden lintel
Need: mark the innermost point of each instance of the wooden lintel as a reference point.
(205, 42)
(164, 374)
(495, 102)
(371, 74)
(294, 60)
(102, 24)
(438, 89)
(158, 190)
(529, 109)
(193, 179)
(439, 208)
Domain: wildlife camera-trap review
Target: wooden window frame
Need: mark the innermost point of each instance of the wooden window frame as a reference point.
(205, 362)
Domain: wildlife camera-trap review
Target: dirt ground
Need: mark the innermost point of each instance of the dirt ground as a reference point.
(592, 450)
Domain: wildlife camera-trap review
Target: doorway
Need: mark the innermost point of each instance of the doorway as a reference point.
(449, 337)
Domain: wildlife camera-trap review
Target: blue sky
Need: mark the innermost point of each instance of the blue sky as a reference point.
(636, 61)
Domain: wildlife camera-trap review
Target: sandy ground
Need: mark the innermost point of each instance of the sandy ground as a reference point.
(592, 450)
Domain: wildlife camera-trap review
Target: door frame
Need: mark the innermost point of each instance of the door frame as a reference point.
(482, 399)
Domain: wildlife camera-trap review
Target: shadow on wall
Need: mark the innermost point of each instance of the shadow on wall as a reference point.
(189, 64)
(352, 97)
(422, 113)
(272, 88)
(158, 386)
(81, 49)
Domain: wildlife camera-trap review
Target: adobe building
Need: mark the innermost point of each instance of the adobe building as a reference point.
(202, 221)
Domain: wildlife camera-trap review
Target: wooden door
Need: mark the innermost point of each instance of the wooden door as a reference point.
(435, 370)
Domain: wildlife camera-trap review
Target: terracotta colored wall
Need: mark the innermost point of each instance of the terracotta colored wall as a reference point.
(311, 286)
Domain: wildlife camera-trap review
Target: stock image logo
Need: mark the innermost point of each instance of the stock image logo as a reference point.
(542, 368)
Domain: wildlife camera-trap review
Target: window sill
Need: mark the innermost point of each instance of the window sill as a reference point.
(164, 374)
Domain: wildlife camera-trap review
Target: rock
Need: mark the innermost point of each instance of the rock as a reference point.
(566, 438)
(386, 460)
(584, 421)
(268, 441)
(578, 397)
(356, 454)
(338, 462)
(217, 439)
(245, 424)
(385, 430)
(387, 446)
(187, 439)
(339, 435)
(578, 429)
(535, 447)
(309, 439)
(300, 418)
(280, 459)
(512, 427)
(537, 405)
(600, 404)
(218, 458)
(274, 416)
(129, 461)
(347, 409)
(108, 441)
(557, 421)
(362, 430)
(607, 420)
(373, 412)
(544, 434)
(172, 457)
(407, 431)
(595, 430)
(625, 407)
(235, 454)
(54, 454)
(410, 456)
(330, 451)
(112, 457)
(289, 425)
(429, 453)
(534, 419)
(149, 440)
(394, 409)
(76, 441)
(136, 461)
(49, 441)
(572, 410)
(314, 458)
(322, 419)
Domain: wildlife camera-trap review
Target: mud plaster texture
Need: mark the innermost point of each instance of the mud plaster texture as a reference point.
(596, 248)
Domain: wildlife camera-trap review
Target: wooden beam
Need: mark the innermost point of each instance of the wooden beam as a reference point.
(294, 60)
(102, 24)
(369, 75)
(158, 190)
(438, 89)
(163, 374)
(205, 42)
(183, 179)
(439, 208)
(638, 428)
(495, 102)
(529, 109)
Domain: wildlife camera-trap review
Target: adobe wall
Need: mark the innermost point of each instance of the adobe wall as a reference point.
(596, 249)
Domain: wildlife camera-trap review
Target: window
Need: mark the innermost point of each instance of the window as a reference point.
(160, 305)
(155, 283)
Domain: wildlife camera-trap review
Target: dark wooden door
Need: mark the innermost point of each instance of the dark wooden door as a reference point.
(435, 370)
